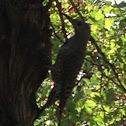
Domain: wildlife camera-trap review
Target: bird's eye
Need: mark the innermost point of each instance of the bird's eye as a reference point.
(79, 23)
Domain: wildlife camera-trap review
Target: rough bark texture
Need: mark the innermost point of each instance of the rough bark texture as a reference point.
(24, 59)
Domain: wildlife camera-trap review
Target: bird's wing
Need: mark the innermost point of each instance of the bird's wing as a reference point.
(58, 67)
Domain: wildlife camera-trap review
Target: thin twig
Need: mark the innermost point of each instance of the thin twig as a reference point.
(101, 70)
(58, 4)
(56, 34)
(74, 6)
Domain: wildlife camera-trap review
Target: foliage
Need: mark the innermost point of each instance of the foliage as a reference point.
(99, 99)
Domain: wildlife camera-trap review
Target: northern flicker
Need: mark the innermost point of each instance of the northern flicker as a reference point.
(68, 64)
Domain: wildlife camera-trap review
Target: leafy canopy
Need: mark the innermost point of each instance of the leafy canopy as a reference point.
(99, 99)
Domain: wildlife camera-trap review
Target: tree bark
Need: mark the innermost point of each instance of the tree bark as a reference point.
(24, 59)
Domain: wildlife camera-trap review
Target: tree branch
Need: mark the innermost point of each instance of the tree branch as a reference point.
(74, 6)
(58, 4)
(106, 61)
(56, 34)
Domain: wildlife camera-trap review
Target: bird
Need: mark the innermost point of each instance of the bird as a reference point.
(68, 64)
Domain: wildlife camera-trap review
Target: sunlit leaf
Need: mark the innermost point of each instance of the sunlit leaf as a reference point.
(109, 23)
(99, 15)
(107, 9)
(90, 103)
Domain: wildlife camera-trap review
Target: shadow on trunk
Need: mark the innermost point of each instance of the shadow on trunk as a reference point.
(24, 59)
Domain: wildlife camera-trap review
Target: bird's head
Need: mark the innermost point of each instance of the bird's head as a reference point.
(80, 26)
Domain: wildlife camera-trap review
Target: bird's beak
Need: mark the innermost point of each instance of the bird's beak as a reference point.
(70, 19)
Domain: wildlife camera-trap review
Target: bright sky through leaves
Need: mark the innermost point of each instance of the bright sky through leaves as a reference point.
(117, 1)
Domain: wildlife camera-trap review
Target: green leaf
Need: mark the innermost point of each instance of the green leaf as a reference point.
(110, 96)
(88, 110)
(107, 9)
(65, 5)
(121, 5)
(99, 120)
(109, 22)
(99, 15)
(90, 103)
(108, 2)
(122, 23)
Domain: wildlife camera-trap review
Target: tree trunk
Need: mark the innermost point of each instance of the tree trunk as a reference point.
(24, 59)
